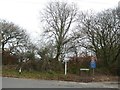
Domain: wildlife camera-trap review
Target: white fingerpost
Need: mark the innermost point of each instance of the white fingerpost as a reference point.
(66, 59)
(65, 67)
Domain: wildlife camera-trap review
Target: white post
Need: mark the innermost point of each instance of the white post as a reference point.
(65, 67)
(20, 70)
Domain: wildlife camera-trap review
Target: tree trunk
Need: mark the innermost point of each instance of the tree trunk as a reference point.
(3, 47)
(58, 54)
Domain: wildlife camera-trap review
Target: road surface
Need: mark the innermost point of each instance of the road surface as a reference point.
(29, 83)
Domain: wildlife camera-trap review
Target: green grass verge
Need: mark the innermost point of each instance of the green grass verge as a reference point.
(54, 76)
(32, 74)
(39, 75)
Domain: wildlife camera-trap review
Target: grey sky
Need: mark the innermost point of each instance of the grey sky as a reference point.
(25, 13)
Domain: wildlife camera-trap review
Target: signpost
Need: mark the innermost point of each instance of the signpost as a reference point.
(93, 65)
(66, 59)
(65, 67)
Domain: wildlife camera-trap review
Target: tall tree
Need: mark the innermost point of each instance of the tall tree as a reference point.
(102, 35)
(13, 37)
(58, 18)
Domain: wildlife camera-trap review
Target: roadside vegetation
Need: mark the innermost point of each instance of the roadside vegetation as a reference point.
(68, 35)
(85, 77)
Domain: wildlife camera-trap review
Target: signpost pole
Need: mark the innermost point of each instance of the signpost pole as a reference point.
(65, 67)
(93, 71)
(93, 66)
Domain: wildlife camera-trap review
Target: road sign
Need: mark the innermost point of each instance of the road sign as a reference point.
(93, 64)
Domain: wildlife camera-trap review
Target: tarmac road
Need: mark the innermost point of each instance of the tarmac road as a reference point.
(29, 83)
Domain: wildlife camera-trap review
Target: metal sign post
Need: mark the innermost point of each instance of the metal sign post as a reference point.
(93, 65)
(93, 71)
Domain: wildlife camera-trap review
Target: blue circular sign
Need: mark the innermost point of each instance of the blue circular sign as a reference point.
(93, 64)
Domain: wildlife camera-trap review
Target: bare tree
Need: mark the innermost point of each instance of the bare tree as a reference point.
(14, 41)
(58, 18)
(102, 35)
(13, 37)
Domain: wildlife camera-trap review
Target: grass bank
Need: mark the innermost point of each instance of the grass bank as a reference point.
(9, 72)
(40, 75)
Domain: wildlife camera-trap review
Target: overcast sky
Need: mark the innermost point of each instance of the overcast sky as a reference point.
(25, 13)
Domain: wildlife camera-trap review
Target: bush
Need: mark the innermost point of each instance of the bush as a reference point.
(29, 65)
(76, 63)
(8, 59)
